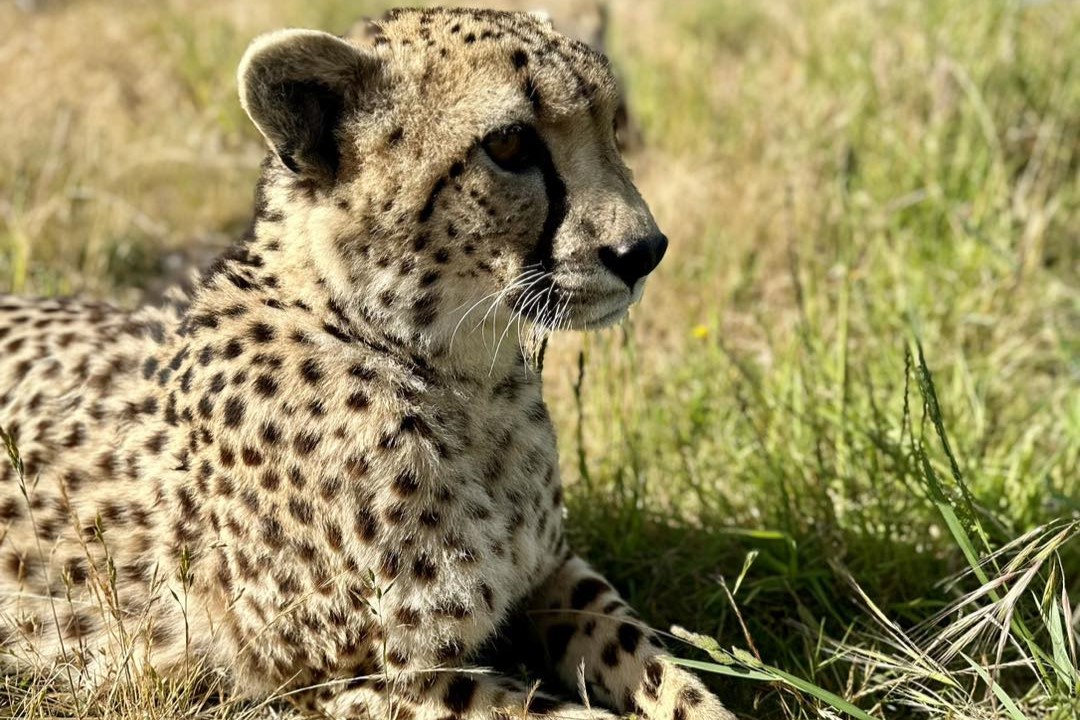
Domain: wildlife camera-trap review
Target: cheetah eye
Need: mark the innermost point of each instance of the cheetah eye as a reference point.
(511, 148)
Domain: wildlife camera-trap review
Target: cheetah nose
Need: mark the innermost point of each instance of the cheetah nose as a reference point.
(633, 260)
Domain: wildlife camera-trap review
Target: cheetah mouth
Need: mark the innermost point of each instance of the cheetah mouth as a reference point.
(575, 299)
(598, 304)
(579, 309)
(607, 319)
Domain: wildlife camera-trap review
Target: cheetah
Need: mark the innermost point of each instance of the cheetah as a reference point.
(326, 469)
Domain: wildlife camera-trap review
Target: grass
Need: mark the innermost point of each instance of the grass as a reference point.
(839, 442)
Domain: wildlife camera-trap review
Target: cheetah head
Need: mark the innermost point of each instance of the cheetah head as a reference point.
(449, 160)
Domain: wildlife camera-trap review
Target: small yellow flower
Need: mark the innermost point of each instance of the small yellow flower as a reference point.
(700, 332)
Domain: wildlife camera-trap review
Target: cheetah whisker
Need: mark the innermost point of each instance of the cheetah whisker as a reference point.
(538, 329)
(524, 285)
(525, 288)
(517, 319)
(521, 278)
(525, 271)
(517, 316)
(494, 305)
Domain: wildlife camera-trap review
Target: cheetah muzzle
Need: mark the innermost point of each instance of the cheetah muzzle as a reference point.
(326, 468)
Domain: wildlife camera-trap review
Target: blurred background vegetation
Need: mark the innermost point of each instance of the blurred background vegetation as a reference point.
(852, 383)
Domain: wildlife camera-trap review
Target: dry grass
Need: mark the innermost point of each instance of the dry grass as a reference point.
(761, 454)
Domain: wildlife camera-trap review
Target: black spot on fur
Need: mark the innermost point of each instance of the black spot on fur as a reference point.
(429, 207)
(406, 483)
(233, 349)
(330, 487)
(558, 638)
(262, 333)
(610, 654)
(270, 481)
(488, 594)
(311, 372)
(301, 510)
(251, 457)
(337, 332)
(425, 309)
(390, 564)
(586, 591)
(362, 372)
(654, 675)
(305, 443)
(691, 696)
(271, 435)
(532, 94)
(629, 637)
(227, 457)
(367, 525)
(76, 569)
(333, 536)
(459, 694)
(234, 412)
(425, 569)
(266, 386)
(217, 384)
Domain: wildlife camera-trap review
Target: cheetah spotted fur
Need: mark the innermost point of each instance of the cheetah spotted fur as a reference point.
(326, 468)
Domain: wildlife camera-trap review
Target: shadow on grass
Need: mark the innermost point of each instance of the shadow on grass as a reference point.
(793, 594)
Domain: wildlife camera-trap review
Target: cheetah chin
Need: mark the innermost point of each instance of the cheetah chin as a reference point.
(325, 470)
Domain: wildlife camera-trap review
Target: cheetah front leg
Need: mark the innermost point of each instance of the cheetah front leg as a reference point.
(451, 694)
(586, 628)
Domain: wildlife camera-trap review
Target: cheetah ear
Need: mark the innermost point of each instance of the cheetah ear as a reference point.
(296, 86)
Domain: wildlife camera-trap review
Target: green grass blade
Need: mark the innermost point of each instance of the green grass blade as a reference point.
(959, 515)
(951, 518)
(12, 452)
(1052, 620)
(734, 671)
(768, 673)
(744, 665)
(999, 692)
